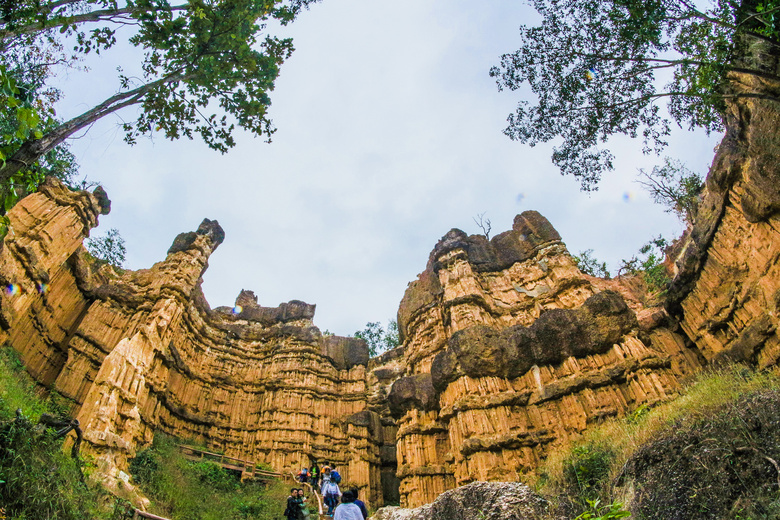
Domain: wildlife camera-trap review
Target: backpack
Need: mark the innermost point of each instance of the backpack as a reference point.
(304, 472)
(335, 477)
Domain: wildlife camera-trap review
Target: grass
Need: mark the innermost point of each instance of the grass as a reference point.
(605, 463)
(182, 489)
(38, 481)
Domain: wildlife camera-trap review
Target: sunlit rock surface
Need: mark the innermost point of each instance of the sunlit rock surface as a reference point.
(510, 350)
(140, 352)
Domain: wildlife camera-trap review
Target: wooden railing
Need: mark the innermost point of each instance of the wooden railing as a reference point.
(247, 468)
(143, 514)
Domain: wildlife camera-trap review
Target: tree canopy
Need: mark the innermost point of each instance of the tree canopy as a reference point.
(598, 68)
(207, 67)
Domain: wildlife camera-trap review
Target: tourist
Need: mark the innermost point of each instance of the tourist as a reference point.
(359, 503)
(330, 491)
(303, 476)
(347, 510)
(293, 509)
(315, 474)
(303, 506)
(335, 476)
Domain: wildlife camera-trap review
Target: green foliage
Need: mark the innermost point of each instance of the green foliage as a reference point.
(711, 440)
(26, 114)
(594, 70)
(39, 481)
(201, 59)
(17, 390)
(109, 247)
(608, 512)
(201, 490)
(587, 470)
(649, 264)
(591, 266)
(378, 339)
(675, 187)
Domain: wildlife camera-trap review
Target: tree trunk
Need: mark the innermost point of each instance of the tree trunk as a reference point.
(32, 150)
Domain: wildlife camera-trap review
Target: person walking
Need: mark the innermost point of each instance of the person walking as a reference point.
(359, 503)
(330, 491)
(315, 474)
(347, 510)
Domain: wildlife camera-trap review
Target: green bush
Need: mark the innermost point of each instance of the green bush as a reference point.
(181, 489)
(37, 480)
(587, 470)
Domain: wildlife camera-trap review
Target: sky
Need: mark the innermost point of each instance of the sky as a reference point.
(389, 135)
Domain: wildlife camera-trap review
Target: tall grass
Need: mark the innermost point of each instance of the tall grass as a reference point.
(587, 469)
(181, 489)
(37, 480)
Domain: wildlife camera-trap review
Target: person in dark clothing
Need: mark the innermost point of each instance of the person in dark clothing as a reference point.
(360, 503)
(293, 507)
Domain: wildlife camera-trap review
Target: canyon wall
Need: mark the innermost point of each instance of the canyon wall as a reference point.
(726, 290)
(511, 350)
(508, 350)
(136, 352)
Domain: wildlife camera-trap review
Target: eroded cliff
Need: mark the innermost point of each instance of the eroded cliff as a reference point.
(139, 352)
(507, 348)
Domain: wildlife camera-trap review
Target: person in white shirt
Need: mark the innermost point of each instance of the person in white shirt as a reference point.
(347, 510)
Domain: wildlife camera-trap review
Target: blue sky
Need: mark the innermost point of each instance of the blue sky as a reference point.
(389, 134)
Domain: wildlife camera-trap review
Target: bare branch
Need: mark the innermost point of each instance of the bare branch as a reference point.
(483, 224)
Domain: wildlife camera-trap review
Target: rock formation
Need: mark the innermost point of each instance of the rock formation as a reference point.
(507, 348)
(476, 501)
(139, 352)
(726, 292)
(510, 350)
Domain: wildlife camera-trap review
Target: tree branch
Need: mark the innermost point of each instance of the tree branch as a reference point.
(31, 150)
(106, 15)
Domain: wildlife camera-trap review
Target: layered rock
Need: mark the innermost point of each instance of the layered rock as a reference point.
(510, 350)
(726, 292)
(141, 352)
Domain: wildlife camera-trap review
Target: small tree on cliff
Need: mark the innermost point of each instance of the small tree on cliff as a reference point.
(197, 55)
(378, 339)
(593, 67)
(108, 247)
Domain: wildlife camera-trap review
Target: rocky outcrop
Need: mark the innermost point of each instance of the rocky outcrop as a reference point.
(476, 501)
(726, 290)
(510, 350)
(141, 352)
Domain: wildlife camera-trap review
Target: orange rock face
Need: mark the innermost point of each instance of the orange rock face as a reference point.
(507, 348)
(726, 292)
(511, 350)
(140, 352)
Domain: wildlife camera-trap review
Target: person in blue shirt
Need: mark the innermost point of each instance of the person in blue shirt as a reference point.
(359, 503)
